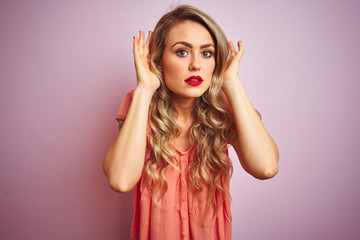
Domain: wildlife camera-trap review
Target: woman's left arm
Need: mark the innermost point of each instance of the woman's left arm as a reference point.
(256, 150)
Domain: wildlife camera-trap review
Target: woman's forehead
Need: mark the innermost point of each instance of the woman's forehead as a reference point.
(189, 31)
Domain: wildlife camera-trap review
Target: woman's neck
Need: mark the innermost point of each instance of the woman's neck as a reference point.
(184, 108)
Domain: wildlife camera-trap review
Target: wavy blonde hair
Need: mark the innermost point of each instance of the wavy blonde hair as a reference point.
(213, 123)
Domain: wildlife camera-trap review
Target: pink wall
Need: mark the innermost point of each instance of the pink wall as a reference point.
(65, 66)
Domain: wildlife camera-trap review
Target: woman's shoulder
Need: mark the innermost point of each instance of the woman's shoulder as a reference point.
(125, 105)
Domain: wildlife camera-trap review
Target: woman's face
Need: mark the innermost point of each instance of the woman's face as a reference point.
(188, 61)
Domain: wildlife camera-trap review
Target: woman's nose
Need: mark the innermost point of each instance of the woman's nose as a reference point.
(194, 64)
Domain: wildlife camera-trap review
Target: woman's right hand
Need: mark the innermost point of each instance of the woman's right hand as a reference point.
(146, 79)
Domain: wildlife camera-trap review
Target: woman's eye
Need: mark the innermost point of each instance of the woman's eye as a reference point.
(182, 53)
(207, 54)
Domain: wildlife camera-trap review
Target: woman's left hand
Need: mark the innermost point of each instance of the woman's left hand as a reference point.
(257, 151)
(232, 70)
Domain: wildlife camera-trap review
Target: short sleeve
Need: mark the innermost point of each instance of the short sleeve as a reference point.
(125, 105)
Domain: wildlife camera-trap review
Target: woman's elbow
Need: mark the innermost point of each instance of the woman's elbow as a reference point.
(265, 172)
(120, 186)
(272, 167)
(271, 172)
(268, 173)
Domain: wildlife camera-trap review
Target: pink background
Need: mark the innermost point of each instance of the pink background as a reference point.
(66, 65)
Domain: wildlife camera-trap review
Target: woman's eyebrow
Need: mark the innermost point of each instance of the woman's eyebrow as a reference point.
(207, 45)
(190, 46)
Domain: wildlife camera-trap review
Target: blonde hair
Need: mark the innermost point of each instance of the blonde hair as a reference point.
(213, 123)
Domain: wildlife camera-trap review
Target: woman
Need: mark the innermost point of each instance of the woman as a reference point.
(172, 147)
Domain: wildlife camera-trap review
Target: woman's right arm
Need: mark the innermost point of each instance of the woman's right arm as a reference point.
(124, 161)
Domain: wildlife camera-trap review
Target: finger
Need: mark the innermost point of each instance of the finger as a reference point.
(136, 51)
(135, 46)
(231, 49)
(141, 43)
(241, 47)
(146, 52)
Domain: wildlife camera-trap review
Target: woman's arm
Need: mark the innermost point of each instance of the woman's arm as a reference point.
(124, 160)
(257, 151)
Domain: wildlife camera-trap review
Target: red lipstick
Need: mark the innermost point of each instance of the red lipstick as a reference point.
(194, 80)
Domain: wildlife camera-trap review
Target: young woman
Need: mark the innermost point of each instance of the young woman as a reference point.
(175, 128)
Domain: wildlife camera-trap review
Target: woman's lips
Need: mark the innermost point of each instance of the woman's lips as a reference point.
(194, 80)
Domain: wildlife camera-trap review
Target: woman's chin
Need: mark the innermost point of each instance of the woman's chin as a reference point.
(188, 93)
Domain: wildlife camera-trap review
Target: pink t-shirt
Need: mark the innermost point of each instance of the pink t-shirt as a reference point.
(176, 216)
